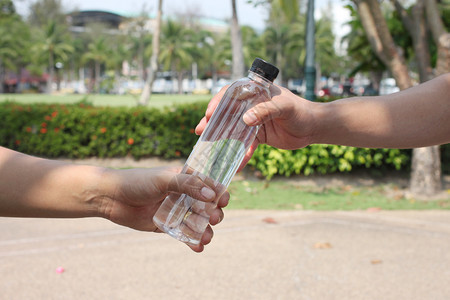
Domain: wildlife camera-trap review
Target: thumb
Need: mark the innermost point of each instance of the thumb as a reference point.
(262, 113)
(193, 186)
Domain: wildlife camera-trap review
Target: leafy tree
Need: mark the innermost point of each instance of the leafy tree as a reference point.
(14, 40)
(276, 40)
(284, 36)
(359, 51)
(175, 44)
(326, 56)
(53, 45)
(141, 39)
(425, 175)
(7, 8)
(98, 53)
(119, 52)
(43, 11)
(253, 45)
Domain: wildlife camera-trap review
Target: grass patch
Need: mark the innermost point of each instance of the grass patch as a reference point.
(156, 101)
(286, 196)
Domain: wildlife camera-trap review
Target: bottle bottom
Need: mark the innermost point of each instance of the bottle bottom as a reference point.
(177, 233)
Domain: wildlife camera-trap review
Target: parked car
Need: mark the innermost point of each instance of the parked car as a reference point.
(325, 91)
(369, 91)
(297, 86)
(342, 90)
(388, 86)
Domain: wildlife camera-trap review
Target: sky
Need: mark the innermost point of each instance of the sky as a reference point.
(248, 14)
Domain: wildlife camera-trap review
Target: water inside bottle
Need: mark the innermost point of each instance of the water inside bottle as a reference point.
(185, 218)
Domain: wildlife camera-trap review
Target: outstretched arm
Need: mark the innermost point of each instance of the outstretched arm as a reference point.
(416, 117)
(35, 187)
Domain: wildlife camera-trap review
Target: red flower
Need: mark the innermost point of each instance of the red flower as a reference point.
(17, 142)
(192, 130)
(48, 118)
(54, 113)
(177, 153)
(28, 129)
(56, 129)
(130, 141)
(44, 124)
(103, 129)
(43, 130)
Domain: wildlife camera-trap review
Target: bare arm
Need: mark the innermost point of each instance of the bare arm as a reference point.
(416, 117)
(35, 187)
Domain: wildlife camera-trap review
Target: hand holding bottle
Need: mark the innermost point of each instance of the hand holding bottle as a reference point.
(287, 121)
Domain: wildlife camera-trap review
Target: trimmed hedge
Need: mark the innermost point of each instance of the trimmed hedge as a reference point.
(80, 130)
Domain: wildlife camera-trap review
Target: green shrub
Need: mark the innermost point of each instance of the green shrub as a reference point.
(325, 159)
(80, 130)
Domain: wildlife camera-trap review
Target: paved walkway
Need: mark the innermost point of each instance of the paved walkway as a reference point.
(254, 255)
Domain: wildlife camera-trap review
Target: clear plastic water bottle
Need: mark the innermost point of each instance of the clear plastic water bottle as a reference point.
(217, 154)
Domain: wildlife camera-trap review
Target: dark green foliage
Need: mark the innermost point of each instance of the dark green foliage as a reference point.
(80, 130)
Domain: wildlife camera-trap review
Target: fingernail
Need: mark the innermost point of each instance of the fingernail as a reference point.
(250, 118)
(208, 193)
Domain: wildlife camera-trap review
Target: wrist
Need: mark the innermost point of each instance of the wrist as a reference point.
(319, 118)
(101, 195)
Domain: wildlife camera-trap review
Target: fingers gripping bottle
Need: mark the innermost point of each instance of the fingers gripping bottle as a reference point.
(217, 154)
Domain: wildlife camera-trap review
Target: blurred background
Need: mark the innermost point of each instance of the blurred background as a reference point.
(105, 46)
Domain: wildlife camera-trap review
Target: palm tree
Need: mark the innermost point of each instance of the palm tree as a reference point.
(120, 52)
(215, 54)
(326, 57)
(175, 44)
(98, 53)
(284, 37)
(276, 40)
(8, 50)
(253, 46)
(55, 46)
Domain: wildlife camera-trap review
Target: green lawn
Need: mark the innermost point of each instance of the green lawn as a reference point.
(157, 100)
(282, 195)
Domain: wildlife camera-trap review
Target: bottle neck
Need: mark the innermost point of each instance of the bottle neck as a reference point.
(258, 78)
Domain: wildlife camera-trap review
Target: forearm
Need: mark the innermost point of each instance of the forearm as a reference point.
(416, 117)
(34, 187)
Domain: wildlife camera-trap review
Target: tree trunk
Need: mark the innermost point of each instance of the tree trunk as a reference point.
(426, 162)
(440, 36)
(425, 175)
(51, 72)
(417, 29)
(97, 77)
(279, 62)
(381, 41)
(236, 43)
(180, 82)
(2, 76)
(147, 91)
(375, 78)
(426, 172)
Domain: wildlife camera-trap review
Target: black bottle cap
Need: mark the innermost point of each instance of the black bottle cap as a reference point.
(263, 68)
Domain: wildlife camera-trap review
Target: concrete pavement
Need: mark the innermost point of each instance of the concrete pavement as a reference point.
(254, 255)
